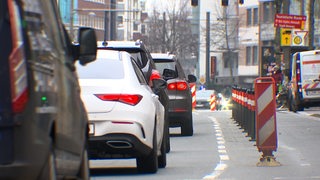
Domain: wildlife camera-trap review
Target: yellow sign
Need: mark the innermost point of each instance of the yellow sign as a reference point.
(202, 79)
(286, 37)
(299, 38)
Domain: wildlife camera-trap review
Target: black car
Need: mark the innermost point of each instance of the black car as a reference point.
(145, 62)
(43, 122)
(180, 97)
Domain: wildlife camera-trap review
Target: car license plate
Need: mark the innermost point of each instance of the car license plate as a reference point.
(91, 128)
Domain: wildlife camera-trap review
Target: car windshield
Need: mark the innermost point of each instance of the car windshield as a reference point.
(204, 93)
(107, 66)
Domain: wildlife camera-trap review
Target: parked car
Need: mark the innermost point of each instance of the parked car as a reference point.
(203, 98)
(126, 117)
(145, 62)
(180, 98)
(43, 123)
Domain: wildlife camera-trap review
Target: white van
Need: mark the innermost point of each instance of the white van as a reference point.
(304, 90)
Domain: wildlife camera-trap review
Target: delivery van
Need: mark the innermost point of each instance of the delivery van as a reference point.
(304, 87)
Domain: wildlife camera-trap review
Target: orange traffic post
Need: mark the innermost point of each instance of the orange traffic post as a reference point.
(193, 93)
(213, 102)
(266, 129)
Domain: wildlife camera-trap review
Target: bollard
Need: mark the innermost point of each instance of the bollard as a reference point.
(213, 102)
(233, 102)
(193, 93)
(251, 123)
(266, 120)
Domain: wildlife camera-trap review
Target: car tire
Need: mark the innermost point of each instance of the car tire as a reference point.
(187, 126)
(162, 159)
(167, 134)
(149, 163)
(49, 170)
(84, 172)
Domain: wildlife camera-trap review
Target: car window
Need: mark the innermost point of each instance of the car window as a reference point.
(138, 72)
(138, 57)
(160, 66)
(204, 93)
(106, 66)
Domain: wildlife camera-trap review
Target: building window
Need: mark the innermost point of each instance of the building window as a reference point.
(249, 17)
(267, 12)
(252, 55)
(143, 29)
(255, 55)
(248, 55)
(255, 16)
(135, 26)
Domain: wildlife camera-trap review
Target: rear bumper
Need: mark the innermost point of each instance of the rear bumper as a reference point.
(116, 146)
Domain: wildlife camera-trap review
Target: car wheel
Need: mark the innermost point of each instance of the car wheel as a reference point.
(84, 167)
(149, 163)
(187, 126)
(167, 134)
(49, 170)
(162, 159)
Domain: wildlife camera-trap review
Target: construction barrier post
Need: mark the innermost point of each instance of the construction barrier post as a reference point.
(252, 121)
(265, 101)
(213, 102)
(193, 93)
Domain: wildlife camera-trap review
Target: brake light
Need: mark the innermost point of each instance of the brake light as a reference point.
(179, 86)
(131, 99)
(17, 63)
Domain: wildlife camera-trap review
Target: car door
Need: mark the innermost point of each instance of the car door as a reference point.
(71, 120)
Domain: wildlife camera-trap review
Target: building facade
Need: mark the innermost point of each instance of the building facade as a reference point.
(112, 19)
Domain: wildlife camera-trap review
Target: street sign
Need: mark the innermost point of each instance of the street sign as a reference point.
(202, 79)
(299, 38)
(293, 37)
(286, 37)
(289, 21)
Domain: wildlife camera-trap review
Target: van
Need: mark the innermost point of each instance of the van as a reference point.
(43, 122)
(304, 87)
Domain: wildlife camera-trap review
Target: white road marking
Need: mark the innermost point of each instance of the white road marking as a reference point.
(223, 155)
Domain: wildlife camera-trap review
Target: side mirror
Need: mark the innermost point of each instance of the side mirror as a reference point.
(192, 78)
(86, 50)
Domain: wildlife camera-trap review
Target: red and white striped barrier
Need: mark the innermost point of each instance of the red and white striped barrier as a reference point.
(193, 93)
(213, 102)
(265, 101)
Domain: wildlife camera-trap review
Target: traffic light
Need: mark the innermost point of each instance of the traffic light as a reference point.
(224, 2)
(194, 2)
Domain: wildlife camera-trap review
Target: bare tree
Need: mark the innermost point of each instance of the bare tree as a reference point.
(224, 35)
(170, 30)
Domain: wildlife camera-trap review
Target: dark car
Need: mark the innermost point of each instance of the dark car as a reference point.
(43, 122)
(180, 98)
(145, 62)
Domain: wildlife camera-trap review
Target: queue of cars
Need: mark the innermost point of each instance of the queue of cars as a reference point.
(59, 108)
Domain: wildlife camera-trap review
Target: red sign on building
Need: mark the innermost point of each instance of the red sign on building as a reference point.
(289, 21)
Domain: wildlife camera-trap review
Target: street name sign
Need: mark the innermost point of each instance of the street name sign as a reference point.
(289, 21)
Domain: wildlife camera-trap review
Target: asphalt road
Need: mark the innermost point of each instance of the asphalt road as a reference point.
(219, 149)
